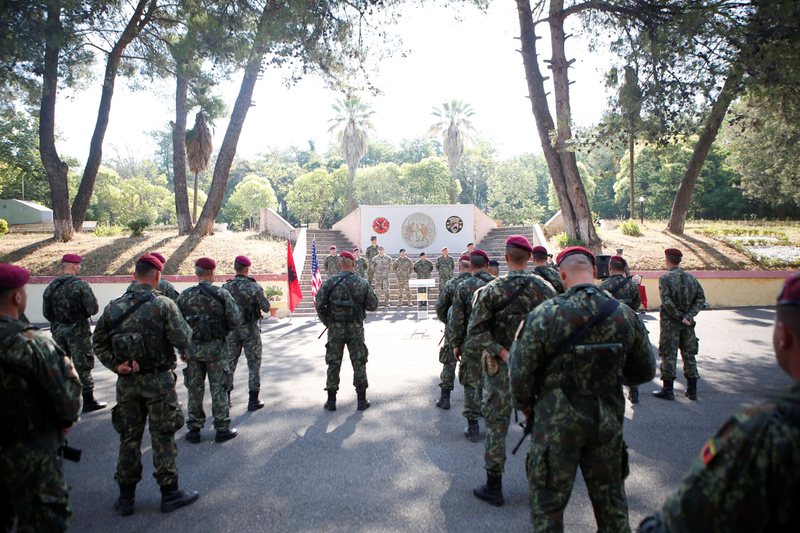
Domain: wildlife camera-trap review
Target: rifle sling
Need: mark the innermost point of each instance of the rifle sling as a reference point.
(214, 295)
(129, 311)
(508, 301)
(615, 291)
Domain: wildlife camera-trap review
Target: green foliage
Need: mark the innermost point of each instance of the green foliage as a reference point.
(251, 195)
(517, 191)
(3, 227)
(563, 240)
(476, 168)
(20, 164)
(426, 182)
(311, 196)
(377, 185)
(273, 294)
(631, 228)
(104, 230)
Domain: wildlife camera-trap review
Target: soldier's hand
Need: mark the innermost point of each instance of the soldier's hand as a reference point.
(686, 321)
(125, 368)
(503, 355)
(457, 354)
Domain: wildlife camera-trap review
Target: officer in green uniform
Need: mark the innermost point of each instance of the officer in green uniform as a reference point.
(542, 267)
(331, 263)
(381, 266)
(403, 266)
(445, 266)
(372, 251)
(443, 305)
(361, 265)
(423, 267)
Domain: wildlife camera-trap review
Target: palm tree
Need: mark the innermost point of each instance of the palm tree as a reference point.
(198, 152)
(352, 121)
(453, 121)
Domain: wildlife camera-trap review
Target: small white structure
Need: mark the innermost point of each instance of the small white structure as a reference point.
(19, 212)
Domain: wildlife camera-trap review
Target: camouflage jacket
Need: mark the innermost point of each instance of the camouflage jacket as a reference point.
(147, 335)
(551, 275)
(445, 266)
(681, 295)
(623, 289)
(362, 267)
(249, 296)
(403, 266)
(332, 264)
(590, 373)
(164, 287)
(371, 251)
(381, 265)
(447, 294)
(462, 307)
(423, 268)
(747, 477)
(39, 388)
(68, 304)
(211, 319)
(345, 298)
(500, 306)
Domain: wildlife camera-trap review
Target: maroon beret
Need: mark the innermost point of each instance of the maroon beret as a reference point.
(72, 258)
(332, 247)
(618, 258)
(243, 260)
(464, 257)
(480, 253)
(150, 259)
(12, 276)
(566, 252)
(444, 248)
(159, 257)
(519, 241)
(790, 294)
(347, 255)
(673, 251)
(206, 262)
(539, 250)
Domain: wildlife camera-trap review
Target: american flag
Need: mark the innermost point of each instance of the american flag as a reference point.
(316, 279)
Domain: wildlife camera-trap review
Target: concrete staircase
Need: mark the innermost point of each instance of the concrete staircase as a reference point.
(494, 243)
(324, 239)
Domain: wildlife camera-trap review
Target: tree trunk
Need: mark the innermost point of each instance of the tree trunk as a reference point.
(56, 169)
(138, 20)
(179, 152)
(453, 188)
(630, 167)
(351, 174)
(680, 207)
(194, 200)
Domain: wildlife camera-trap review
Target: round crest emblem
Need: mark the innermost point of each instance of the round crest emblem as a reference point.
(418, 230)
(380, 225)
(454, 224)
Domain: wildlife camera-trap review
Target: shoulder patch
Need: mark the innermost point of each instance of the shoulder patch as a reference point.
(709, 450)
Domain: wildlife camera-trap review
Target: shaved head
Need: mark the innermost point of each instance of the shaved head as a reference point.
(576, 269)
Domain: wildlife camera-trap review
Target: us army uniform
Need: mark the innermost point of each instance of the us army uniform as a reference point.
(371, 252)
(381, 266)
(331, 265)
(551, 275)
(423, 267)
(445, 267)
(443, 306)
(403, 266)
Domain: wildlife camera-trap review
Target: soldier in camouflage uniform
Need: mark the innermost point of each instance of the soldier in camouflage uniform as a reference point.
(498, 309)
(423, 267)
(68, 304)
(445, 266)
(571, 386)
(40, 396)
(164, 287)
(136, 338)
(249, 296)
(361, 265)
(469, 373)
(470, 248)
(381, 266)
(443, 305)
(494, 268)
(212, 313)
(542, 268)
(682, 298)
(341, 305)
(331, 263)
(626, 291)
(403, 266)
(372, 252)
(747, 477)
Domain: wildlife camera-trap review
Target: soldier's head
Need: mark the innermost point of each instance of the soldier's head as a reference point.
(470, 246)
(356, 252)
(13, 295)
(241, 265)
(71, 264)
(494, 268)
(348, 262)
(672, 257)
(518, 252)
(617, 265)
(381, 251)
(463, 263)
(478, 260)
(204, 269)
(422, 255)
(445, 252)
(373, 239)
(332, 250)
(540, 256)
(402, 252)
(148, 270)
(576, 266)
(786, 332)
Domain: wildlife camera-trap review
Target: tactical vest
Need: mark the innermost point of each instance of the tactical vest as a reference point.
(208, 324)
(137, 340)
(251, 311)
(66, 311)
(341, 304)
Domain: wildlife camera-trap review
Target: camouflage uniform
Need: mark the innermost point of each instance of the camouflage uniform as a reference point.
(362, 268)
(371, 252)
(494, 320)
(164, 287)
(423, 268)
(332, 265)
(148, 336)
(403, 266)
(344, 319)
(681, 296)
(381, 266)
(211, 321)
(40, 394)
(443, 305)
(623, 289)
(68, 304)
(577, 403)
(445, 267)
(249, 296)
(550, 274)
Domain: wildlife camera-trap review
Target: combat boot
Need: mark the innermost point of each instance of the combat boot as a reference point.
(330, 405)
(444, 401)
(124, 504)
(193, 436)
(254, 404)
(363, 403)
(90, 404)
(666, 392)
(492, 491)
(473, 431)
(633, 394)
(224, 435)
(691, 388)
(172, 498)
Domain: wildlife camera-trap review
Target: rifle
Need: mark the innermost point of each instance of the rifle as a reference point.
(69, 453)
(323, 332)
(527, 428)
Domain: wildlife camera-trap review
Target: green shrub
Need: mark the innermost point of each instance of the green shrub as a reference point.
(102, 230)
(139, 219)
(273, 294)
(3, 227)
(564, 241)
(631, 228)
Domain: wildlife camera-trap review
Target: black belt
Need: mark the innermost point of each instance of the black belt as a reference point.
(154, 370)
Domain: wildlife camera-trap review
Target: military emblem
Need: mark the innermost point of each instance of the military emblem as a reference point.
(380, 225)
(418, 230)
(454, 224)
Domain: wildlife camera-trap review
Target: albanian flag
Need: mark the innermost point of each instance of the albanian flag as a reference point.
(295, 294)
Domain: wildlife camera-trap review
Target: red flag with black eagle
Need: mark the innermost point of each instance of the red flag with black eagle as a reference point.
(295, 294)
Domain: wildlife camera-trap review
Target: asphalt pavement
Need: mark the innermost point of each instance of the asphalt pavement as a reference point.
(404, 464)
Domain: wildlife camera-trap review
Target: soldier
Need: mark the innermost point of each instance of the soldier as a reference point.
(469, 373)
(403, 267)
(423, 267)
(249, 296)
(68, 304)
(493, 268)
(682, 298)
(626, 291)
(443, 305)
(381, 266)
(470, 248)
(568, 363)
(747, 477)
(498, 309)
(164, 287)
(542, 268)
(136, 338)
(445, 266)
(40, 394)
(341, 305)
(212, 313)
(372, 252)
(331, 263)
(361, 266)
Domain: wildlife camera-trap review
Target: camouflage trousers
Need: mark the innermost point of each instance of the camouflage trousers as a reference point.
(496, 408)
(567, 436)
(402, 284)
(79, 349)
(444, 278)
(195, 378)
(247, 338)
(351, 335)
(469, 375)
(382, 288)
(673, 336)
(448, 360)
(143, 398)
(32, 487)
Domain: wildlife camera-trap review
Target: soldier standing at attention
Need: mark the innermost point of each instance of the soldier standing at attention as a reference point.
(403, 266)
(469, 373)
(164, 287)
(136, 338)
(331, 263)
(443, 305)
(68, 304)
(423, 267)
(361, 266)
(470, 248)
(626, 291)
(494, 268)
(341, 305)
(542, 268)
(747, 477)
(372, 252)
(40, 396)
(682, 298)
(568, 363)
(249, 296)
(445, 266)
(498, 309)
(381, 266)
(212, 313)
